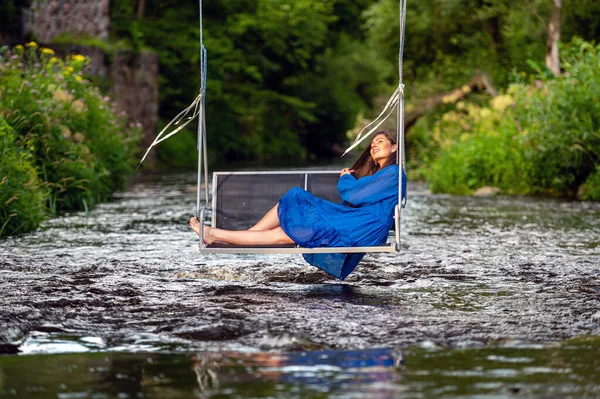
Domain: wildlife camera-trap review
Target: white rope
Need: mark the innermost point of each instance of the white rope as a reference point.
(202, 142)
(387, 111)
(395, 100)
(195, 106)
(402, 196)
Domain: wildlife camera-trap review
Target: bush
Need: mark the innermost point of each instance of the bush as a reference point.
(485, 154)
(80, 147)
(590, 190)
(562, 119)
(22, 196)
(541, 138)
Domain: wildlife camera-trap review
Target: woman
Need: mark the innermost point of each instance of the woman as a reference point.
(369, 191)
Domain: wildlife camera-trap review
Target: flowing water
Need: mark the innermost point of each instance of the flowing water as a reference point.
(489, 297)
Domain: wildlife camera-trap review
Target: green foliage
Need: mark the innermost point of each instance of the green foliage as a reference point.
(11, 16)
(22, 196)
(108, 47)
(80, 148)
(347, 82)
(580, 19)
(590, 190)
(562, 120)
(447, 42)
(483, 158)
(179, 151)
(288, 79)
(285, 80)
(546, 141)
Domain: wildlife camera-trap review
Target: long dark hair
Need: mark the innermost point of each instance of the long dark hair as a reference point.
(364, 164)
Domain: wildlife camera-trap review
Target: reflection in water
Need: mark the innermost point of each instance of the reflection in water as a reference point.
(325, 371)
(569, 369)
(206, 368)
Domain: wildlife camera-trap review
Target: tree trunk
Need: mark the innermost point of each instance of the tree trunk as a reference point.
(477, 82)
(552, 56)
(142, 7)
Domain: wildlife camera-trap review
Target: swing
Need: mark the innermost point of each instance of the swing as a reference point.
(239, 199)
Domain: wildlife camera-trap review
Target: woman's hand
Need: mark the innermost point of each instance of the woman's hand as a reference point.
(346, 171)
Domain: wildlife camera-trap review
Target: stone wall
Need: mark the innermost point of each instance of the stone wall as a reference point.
(47, 19)
(132, 77)
(134, 87)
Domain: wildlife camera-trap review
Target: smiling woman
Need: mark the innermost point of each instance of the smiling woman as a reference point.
(369, 191)
(377, 156)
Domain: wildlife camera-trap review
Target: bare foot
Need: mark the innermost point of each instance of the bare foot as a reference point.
(195, 225)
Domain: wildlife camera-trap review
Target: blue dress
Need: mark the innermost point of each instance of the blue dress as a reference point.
(314, 222)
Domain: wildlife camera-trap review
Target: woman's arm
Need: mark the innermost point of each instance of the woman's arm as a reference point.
(369, 189)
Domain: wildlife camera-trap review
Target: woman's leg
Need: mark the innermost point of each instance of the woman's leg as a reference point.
(269, 221)
(243, 237)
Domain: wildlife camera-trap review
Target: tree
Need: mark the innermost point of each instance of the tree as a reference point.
(552, 55)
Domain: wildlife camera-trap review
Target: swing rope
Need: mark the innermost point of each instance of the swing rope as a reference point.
(402, 196)
(396, 101)
(197, 109)
(202, 143)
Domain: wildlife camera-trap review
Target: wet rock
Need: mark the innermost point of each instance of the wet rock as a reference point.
(214, 332)
(50, 328)
(126, 292)
(8, 348)
(61, 303)
(378, 283)
(301, 276)
(590, 289)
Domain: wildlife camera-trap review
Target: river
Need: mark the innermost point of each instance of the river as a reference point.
(489, 297)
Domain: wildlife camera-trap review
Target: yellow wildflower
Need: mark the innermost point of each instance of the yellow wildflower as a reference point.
(47, 51)
(78, 58)
(79, 78)
(52, 60)
(19, 49)
(32, 44)
(69, 70)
